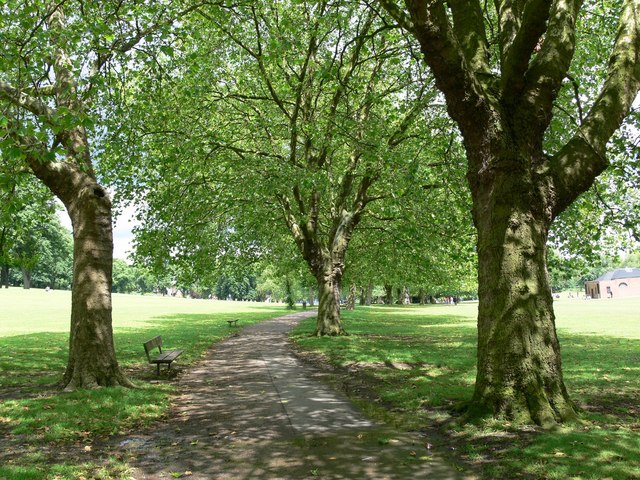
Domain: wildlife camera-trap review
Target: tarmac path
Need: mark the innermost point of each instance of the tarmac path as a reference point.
(252, 410)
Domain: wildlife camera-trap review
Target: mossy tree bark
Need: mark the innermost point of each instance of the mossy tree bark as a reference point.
(503, 109)
(519, 364)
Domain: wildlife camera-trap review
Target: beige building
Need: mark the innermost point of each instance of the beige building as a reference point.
(620, 283)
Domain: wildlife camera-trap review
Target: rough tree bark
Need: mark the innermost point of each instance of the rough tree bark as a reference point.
(503, 111)
(92, 360)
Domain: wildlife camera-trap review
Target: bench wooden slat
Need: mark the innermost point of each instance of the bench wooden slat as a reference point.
(167, 356)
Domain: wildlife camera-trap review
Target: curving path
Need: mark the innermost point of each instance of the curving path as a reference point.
(252, 410)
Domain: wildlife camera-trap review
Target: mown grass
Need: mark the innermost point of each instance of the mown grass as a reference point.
(33, 355)
(420, 364)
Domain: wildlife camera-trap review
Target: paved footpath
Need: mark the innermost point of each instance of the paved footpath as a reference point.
(252, 410)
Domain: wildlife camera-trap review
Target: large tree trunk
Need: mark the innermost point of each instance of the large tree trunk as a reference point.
(504, 114)
(519, 373)
(328, 321)
(92, 359)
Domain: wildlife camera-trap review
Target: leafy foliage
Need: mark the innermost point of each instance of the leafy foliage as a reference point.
(34, 243)
(237, 152)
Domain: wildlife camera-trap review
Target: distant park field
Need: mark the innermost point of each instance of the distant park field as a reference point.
(35, 310)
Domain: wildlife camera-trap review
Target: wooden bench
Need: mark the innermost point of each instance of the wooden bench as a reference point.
(233, 323)
(167, 356)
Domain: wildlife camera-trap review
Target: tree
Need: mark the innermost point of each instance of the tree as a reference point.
(64, 165)
(500, 69)
(300, 117)
(50, 79)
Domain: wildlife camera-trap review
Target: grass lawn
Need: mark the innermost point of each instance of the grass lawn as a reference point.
(34, 332)
(414, 365)
(409, 365)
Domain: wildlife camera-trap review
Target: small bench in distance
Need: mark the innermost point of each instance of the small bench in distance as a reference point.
(167, 356)
(233, 323)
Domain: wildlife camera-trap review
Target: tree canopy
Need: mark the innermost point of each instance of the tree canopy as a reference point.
(304, 133)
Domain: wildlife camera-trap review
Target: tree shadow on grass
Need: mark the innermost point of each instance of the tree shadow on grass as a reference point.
(603, 373)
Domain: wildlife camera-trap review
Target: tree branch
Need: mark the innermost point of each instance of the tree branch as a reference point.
(466, 96)
(398, 14)
(518, 48)
(549, 67)
(574, 168)
(29, 103)
(468, 27)
(338, 94)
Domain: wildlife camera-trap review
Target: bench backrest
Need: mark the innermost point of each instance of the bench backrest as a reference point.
(151, 344)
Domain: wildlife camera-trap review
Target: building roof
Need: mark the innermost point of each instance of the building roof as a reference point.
(619, 274)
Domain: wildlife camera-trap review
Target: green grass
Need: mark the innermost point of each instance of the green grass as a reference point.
(33, 353)
(420, 363)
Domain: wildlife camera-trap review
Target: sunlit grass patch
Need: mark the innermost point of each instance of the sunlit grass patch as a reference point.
(39, 469)
(68, 417)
